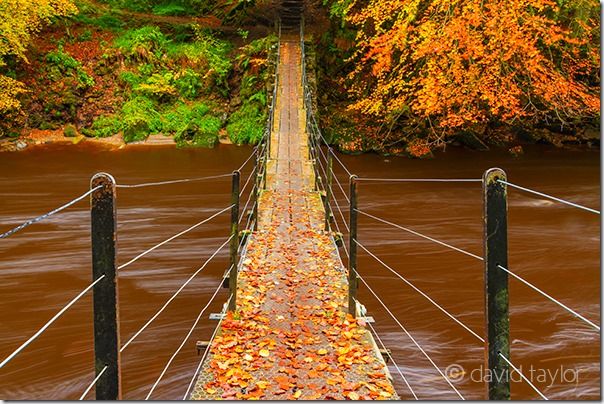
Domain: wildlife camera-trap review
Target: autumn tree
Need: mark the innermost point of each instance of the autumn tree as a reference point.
(19, 20)
(445, 66)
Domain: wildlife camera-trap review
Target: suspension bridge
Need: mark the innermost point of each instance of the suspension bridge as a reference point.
(292, 326)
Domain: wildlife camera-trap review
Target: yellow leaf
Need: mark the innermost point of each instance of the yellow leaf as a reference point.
(322, 351)
(264, 353)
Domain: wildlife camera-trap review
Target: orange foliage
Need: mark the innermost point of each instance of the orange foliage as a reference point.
(458, 65)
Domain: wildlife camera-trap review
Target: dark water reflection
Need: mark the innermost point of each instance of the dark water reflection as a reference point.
(550, 245)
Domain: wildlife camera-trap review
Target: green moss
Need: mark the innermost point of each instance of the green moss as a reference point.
(104, 126)
(70, 131)
(246, 125)
(61, 64)
(140, 118)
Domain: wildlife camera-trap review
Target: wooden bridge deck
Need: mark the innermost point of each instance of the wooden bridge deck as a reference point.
(290, 337)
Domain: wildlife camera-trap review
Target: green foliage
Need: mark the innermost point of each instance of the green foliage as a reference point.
(246, 125)
(104, 126)
(192, 124)
(206, 53)
(62, 64)
(170, 9)
(130, 78)
(142, 44)
(188, 83)
(70, 131)
(140, 118)
(158, 86)
(86, 35)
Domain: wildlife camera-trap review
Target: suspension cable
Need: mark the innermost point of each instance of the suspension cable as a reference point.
(252, 154)
(523, 376)
(481, 339)
(247, 202)
(410, 337)
(184, 341)
(247, 181)
(50, 322)
(174, 237)
(46, 215)
(398, 369)
(205, 353)
(150, 184)
(335, 201)
(91, 385)
(420, 235)
(553, 198)
(368, 179)
(535, 288)
(174, 295)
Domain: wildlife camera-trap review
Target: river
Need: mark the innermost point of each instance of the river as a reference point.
(553, 246)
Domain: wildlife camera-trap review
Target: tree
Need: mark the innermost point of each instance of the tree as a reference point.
(19, 20)
(447, 66)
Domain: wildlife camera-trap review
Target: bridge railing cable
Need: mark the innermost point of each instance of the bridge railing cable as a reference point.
(438, 306)
(166, 241)
(177, 181)
(144, 327)
(396, 320)
(565, 307)
(49, 214)
(395, 180)
(398, 369)
(184, 341)
(49, 322)
(553, 198)
(420, 235)
(92, 384)
(526, 379)
(207, 350)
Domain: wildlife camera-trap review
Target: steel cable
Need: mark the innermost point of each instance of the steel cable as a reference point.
(46, 215)
(174, 237)
(184, 341)
(50, 322)
(174, 295)
(150, 184)
(411, 337)
(420, 235)
(535, 288)
(205, 353)
(481, 339)
(553, 198)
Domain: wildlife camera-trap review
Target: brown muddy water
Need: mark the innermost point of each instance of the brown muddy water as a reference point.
(551, 245)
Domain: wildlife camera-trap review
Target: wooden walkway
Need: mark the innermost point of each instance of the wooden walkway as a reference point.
(290, 337)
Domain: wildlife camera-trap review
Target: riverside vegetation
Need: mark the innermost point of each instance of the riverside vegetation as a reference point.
(100, 70)
(397, 77)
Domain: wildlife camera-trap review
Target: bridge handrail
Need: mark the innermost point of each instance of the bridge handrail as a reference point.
(207, 350)
(553, 198)
(136, 334)
(398, 369)
(49, 322)
(49, 214)
(184, 341)
(418, 290)
(396, 320)
(204, 221)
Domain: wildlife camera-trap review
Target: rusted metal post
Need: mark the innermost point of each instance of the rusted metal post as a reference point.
(105, 292)
(234, 244)
(353, 281)
(328, 191)
(496, 284)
